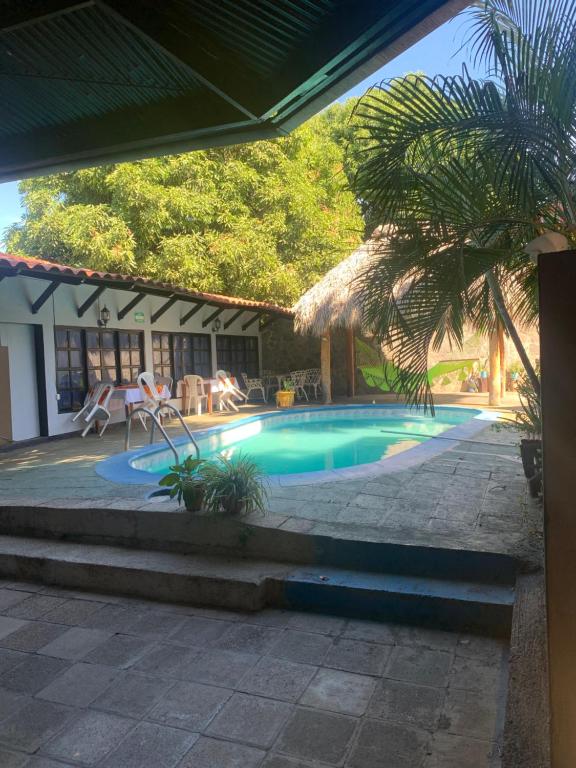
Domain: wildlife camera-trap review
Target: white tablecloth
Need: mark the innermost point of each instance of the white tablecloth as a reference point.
(132, 396)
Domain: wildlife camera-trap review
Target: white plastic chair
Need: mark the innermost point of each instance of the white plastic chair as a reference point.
(92, 397)
(254, 385)
(195, 393)
(151, 398)
(99, 410)
(228, 392)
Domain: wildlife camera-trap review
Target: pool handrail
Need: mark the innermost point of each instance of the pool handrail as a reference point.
(157, 422)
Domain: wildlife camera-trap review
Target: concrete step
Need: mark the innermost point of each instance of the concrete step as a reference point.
(249, 584)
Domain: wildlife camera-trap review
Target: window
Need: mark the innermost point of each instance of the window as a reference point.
(176, 354)
(88, 357)
(70, 374)
(237, 354)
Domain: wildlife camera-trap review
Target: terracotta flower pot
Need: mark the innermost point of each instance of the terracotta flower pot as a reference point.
(284, 398)
(193, 495)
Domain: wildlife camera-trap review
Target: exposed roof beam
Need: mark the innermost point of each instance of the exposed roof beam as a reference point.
(91, 299)
(27, 13)
(131, 304)
(43, 298)
(252, 320)
(185, 49)
(233, 319)
(164, 308)
(213, 316)
(184, 319)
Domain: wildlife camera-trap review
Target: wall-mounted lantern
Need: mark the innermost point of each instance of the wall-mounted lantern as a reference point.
(216, 325)
(104, 318)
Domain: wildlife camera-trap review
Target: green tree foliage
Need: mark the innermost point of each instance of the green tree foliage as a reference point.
(261, 221)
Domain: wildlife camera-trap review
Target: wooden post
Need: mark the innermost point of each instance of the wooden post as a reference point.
(350, 362)
(325, 367)
(557, 289)
(494, 382)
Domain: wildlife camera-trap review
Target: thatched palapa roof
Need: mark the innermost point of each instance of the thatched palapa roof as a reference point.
(333, 301)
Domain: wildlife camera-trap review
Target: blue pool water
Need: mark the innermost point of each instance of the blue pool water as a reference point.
(317, 439)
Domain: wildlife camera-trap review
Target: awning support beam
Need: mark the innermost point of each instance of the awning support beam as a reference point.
(43, 298)
(131, 304)
(83, 308)
(196, 308)
(233, 319)
(213, 316)
(164, 308)
(252, 320)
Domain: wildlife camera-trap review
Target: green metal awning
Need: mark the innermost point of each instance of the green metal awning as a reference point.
(83, 83)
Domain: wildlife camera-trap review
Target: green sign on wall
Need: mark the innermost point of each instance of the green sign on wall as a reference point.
(138, 317)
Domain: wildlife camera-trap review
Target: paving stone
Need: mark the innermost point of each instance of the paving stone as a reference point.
(429, 638)
(488, 649)
(199, 631)
(119, 651)
(270, 617)
(132, 694)
(9, 659)
(472, 713)
(34, 607)
(112, 618)
(372, 631)
(248, 638)
(151, 746)
(155, 624)
(189, 705)
(79, 685)
(457, 752)
(304, 647)
(72, 612)
(225, 668)
(419, 665)
(278, 679)
(10, 597)
(11, 759)
(9, 625)
(279, 761)
(316, 622)
(250, 719)
(33, 724)
(33, 674)
(477, 675)
(407, 703)
(33, 636)
(314, 735)
(9, 702)
(167, 660)
(339, 692)
(389, 744)
(357, 656)
(212, 753)
(89, 738)
(44, 762)
(76, 643)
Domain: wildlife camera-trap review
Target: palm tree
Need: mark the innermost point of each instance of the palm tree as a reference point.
(467, 172)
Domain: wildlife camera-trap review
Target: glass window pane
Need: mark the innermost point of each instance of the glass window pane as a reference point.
(135, 357)
(125, 376)
(75, 339)
(124, 358)
(93, 359)
(157, 357)
(61, 337)
(62, 359)
(134, 339)
(109, 358)
(65, 401)
(63, 380)
(123, 340)
(92, 339)
(107, 339)
(77, 379)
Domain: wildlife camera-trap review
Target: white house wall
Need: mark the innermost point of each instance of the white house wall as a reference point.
(18, 293)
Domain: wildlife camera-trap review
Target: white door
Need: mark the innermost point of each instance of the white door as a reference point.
(19, 339)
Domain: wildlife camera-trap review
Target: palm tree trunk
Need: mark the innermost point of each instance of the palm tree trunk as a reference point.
(511, 329)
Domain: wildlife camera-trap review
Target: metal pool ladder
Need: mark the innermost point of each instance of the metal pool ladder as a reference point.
(157, 423)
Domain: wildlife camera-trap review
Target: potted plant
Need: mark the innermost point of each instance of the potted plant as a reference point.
(186, 482)
(529, 422)
(285, 396)
(233, 486)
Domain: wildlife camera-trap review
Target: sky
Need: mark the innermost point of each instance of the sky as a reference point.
(437, 53)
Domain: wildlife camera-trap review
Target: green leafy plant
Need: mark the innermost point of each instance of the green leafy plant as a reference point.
(185, 481)
(529, 419)
(234, 486)
(287, 385)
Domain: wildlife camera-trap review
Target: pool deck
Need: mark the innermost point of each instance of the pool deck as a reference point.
(472, 496)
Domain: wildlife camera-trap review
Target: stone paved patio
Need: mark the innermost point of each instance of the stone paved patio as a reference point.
(92, 680)
(472, 496)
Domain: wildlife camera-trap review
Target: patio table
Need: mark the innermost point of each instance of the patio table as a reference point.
(212, 387)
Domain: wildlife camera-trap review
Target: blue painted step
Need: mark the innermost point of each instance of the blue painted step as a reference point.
(445, 604)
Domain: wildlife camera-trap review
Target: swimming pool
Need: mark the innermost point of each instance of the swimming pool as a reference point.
(313, 444)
